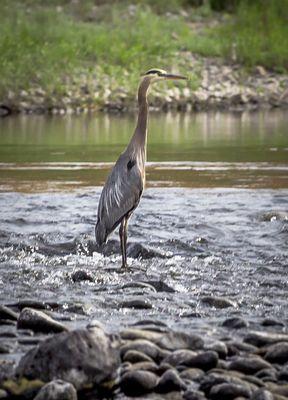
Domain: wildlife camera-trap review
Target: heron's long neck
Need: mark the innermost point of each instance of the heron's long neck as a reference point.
(138, 140)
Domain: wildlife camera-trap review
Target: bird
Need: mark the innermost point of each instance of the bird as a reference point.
(124, 186)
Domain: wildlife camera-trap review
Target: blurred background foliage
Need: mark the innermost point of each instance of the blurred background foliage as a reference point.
(44, 43)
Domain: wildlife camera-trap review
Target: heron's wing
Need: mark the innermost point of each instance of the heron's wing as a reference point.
(120, 195)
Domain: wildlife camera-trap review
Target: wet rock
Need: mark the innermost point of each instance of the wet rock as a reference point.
(218, 346)
(146, 347)
(161, 286)
(138, 285)
(81, 357)
(191, 394)
(136, 383)
(192, 374)
(216, 378)
(134, 356)
(228, 391)
(7, 314)
(205, 361)
(35, 304)
(7, 346)
(133, 334)
(235, 323)
(169, 382)
(38, 321)
(266, 373)
(6, 369)
(179, 357)
(283, 374)
(272, 322)
(277, 353)
(262, 394)
(81, 275)
(141, 304)
(236, 347)
(276, 389)
(264, 338)
(56, 390)
(137, 250)
(180, 340)
(248, 365)
(218, 302)
(144, 366)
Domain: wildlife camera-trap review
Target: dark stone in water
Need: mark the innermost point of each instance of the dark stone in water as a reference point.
(236, 347)
(180, 340)
(81, 275)
(57, 390)
(192, 374)
(161, 286)
(7, 314)
(82, 357)
(137, 383)
(38, 321)
(228, 391)
(179, 357)
(218, 346)
(249, 365)
(218, 302)
(272, 322)
(205, 361)
(191, 394)
(137, 250)
(7, 346)
(283, 374)
(134, 356)
(235, 323)
(35, 304)
(264, 338)
(262, 394)
(149, 322)
(136, 303)
(146, 347)
(277, 353)
(169, 382)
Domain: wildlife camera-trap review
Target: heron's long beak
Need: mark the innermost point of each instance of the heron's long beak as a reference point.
(172, 76)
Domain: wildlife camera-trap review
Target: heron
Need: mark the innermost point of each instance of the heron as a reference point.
(124, 186)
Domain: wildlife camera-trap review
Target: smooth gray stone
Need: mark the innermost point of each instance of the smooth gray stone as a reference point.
(248, 365)
(7, 346)
(134, 356)
(146, 347)
(236, 347)
(228, 391)
(205, 361)
(283, 373)
(277, 353)
(260, 339)
(194, 395)
(141, 304)
(7, 314)
(272, 322)
(134, 334)
(235, 323)
(38, 321)
(57, 390)
(81, 357)
(180, 340)
(215, 378)
(179, 357)
(170, 381)
(262, 394)
(218, 302)
(192, 374)
(136, 383)
(81, 275)
(218, 346)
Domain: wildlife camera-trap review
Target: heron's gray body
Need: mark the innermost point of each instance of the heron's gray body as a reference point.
(124, 186)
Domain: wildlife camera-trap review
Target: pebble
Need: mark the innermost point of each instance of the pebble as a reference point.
(272, 322)
(180, 340)
(142, 304)
(170, 381)
(137, 383)
(218, 346)
(134, 356)
(235, 323)
(38, 321)
(248, 365)
(218, 302)
(56, 390)
(133, 334)
(192, 374)
(277, 353)
(7, 314)
(81, 275)
(191, 394)
(179, 357)
(264, 338)
(262, 394)
(137, 250)
(228, 391)
(205, 361)
(146, 347)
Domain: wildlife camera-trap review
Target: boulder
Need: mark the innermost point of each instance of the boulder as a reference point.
(136, 383)
(57, 390)
(38, 321)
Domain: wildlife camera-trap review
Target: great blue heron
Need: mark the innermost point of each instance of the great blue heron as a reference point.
(124, 186)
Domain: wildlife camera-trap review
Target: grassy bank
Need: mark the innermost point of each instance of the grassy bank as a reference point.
(76, 43)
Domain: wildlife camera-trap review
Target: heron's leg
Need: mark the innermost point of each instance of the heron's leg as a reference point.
(123, 240)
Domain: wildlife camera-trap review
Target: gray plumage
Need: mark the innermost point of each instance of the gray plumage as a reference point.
(124, 186)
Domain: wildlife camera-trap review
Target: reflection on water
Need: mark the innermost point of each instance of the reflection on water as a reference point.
(60, 150)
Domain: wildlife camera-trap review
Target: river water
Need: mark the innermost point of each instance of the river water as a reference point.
(212, 222)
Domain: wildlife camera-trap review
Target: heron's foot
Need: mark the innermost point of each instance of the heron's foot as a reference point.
(125, 268)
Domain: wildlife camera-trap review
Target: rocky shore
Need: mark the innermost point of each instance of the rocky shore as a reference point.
(146, 360)
(214, 85)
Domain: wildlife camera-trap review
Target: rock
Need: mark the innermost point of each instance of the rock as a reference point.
(205, 361)
(134, 334)
(235, 347)
(169, 382)
(141, 304)
(264, 338)
(7, 313)
(191, 394)
(283, 374)
(277, 353)
(38, 321)
(81, 275)
(218, 302)
(81, 357)
(217, 346)
(216, 378)
(136, 383)
(146, 347)
(3, 394)
(180, 340)
(161, 286)
(282, 390)
(248, 365)
(228, 391)
(262, 394)
(6, 369)
(192, 374)
(144, 366)
(4, 111)
(272, 322)
(134, 356)
(179, 357)
(137, 250)
(235, 323)
(56, 390)
(267, 373)
(7, 346)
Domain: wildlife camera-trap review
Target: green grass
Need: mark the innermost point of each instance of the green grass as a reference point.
(49, 43)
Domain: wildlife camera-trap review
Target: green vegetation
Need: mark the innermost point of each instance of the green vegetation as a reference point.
(47, 44)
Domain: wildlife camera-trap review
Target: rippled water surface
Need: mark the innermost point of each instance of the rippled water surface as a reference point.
(213, 221)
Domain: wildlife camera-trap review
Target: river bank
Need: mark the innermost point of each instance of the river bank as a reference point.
(218, 86)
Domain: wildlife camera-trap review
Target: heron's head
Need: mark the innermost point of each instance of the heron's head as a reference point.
(155, 75)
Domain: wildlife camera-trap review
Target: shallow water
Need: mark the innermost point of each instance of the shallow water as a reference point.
(218, 227)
